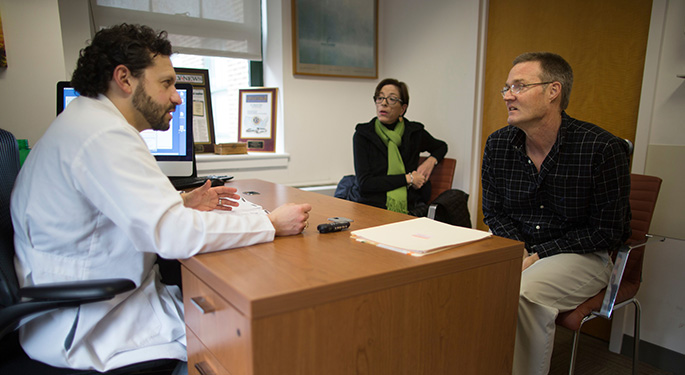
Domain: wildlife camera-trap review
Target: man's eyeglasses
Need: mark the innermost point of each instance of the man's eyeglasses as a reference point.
(518, 87)
(391, 100)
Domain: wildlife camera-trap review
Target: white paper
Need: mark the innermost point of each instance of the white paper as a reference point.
(418, 236)
(244, 207)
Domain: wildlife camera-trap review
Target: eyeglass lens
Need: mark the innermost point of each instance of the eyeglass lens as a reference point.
(515, 89)
(391, 100)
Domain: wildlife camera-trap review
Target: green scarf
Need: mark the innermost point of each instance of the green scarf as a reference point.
(396, 200)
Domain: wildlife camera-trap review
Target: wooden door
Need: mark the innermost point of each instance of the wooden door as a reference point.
(604, 41)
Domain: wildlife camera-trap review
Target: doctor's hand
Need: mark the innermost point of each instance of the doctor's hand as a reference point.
(290, 218)
(207, 198)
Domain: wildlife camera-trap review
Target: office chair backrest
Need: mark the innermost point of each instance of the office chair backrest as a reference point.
(644, 191)
(442, 176)
(9, 167)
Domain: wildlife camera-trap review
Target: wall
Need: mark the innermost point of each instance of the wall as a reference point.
(317, 114)
(660, 124)
(33, 41)
(434, 49)
(75, 19)
(417, 46)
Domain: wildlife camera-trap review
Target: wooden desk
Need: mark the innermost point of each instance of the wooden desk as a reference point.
(324, 304)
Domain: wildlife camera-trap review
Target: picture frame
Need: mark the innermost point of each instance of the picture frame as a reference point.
(3, 53)
(334, 38)
(203, 121)
(257, 118)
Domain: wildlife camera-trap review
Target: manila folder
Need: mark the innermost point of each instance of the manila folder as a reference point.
(418, 236)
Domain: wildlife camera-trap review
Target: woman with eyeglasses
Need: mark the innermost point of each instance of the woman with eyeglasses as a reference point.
(386, 153)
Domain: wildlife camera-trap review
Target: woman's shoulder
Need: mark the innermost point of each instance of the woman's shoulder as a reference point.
(365, 127)
(364, 132)
(366, 124)
(409, 124)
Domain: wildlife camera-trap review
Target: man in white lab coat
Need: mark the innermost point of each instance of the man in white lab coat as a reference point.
(91, 203)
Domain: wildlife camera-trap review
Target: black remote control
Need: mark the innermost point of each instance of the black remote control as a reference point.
(332, 227)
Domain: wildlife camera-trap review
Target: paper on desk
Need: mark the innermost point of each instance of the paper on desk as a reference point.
(419, 236)
(244, 207)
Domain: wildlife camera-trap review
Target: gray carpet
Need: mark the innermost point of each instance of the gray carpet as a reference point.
(593, 357)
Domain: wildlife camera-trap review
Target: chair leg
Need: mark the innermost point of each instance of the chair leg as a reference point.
(574, 351)
(636, 335)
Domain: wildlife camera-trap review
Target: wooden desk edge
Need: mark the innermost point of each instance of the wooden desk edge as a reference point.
(297, 299)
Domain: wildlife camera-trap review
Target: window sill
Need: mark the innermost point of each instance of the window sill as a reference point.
(220, 164)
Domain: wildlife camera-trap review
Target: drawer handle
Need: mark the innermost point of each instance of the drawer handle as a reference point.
(202, 305)
(200, 367)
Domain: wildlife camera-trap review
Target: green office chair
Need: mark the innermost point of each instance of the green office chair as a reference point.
(18, 303)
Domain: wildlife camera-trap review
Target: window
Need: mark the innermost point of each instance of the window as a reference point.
(226, 77)
(229, 28)
(220, 36)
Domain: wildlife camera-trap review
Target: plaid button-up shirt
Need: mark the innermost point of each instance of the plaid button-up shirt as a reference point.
(577, 203)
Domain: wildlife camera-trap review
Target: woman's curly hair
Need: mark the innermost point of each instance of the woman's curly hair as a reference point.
(133, 46)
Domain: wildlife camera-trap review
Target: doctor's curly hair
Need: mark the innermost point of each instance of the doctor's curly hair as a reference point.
(133, 46)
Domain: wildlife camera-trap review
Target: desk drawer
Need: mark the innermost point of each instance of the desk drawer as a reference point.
(219, 326)
(200, 360)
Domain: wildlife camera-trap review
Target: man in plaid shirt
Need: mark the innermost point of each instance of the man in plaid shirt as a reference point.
(561, 186)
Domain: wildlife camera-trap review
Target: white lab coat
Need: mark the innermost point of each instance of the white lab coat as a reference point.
(91, 203)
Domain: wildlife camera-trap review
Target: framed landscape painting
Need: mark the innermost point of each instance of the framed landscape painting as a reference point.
(335, 38)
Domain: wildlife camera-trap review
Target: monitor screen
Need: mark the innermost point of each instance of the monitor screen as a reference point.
(172, 148)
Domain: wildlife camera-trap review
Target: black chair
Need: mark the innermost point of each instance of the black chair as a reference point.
(17, 303)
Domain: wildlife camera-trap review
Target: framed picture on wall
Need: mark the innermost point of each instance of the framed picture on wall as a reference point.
(335, 38)
(257, 119)
(3, 54)
(203, 122)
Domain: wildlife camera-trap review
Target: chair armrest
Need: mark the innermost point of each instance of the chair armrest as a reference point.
(614, 281)
(42, 298)
(617, 275)
(83, 290)
(431, 211)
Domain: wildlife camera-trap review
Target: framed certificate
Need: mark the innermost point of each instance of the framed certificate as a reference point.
(203, 122)
(257, 119)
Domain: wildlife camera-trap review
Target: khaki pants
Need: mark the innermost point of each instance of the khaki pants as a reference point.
(551, 285)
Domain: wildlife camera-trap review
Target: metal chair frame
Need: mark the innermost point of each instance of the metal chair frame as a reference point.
(609, 306)
(643, 196)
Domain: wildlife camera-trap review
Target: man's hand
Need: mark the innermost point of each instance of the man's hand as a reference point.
(528, 260)
(207, 198)
(290, 218)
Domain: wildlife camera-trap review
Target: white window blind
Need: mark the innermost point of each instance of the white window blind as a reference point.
(226, 28)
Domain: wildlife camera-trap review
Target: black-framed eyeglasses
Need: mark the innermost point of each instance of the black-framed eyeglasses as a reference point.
(391, 100)
(518, 87)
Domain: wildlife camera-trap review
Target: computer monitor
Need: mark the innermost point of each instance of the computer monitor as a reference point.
(172, 148)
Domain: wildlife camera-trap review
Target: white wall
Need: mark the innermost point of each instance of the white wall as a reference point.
(433, 46)
(317, 114)
(660, 123)
(669, 98)
(417, 46)
(35, 60)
